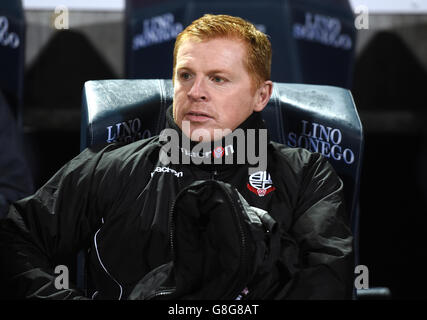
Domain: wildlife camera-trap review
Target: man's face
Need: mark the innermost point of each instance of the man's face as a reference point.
(212, 88)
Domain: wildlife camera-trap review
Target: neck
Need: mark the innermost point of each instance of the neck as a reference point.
(246, 145)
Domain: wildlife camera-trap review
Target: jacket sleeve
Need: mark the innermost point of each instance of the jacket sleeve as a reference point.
(48, 228)
(15, 176)
(323, 236)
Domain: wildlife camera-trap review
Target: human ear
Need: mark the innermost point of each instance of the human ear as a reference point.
(263, 95)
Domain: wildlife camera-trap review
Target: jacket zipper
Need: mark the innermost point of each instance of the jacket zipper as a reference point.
(214, 174)
(172, 227)
(167, 291)
(243, 237)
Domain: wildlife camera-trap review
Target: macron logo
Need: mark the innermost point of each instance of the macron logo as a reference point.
(167, 170)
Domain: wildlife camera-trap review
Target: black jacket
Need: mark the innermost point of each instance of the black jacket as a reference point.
(115, 202)
(15, 175)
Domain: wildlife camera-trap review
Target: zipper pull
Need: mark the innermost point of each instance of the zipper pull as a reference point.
(214, 174)
(242, 294)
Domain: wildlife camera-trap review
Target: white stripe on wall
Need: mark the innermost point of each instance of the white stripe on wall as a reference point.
(374, 6)
(98, 5)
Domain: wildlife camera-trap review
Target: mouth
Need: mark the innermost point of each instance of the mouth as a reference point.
(197, 116)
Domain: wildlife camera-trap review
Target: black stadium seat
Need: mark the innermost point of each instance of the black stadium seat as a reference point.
(12, 54)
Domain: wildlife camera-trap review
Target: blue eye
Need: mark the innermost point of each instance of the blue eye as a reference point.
(218, 79)
(184, 75)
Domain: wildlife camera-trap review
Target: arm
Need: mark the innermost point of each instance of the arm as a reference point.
(322, 232)
(15, 176)
(48, 229)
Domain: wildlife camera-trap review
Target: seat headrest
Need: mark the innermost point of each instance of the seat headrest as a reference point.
(12, 52)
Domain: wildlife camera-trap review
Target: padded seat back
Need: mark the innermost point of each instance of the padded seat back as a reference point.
(12, 54)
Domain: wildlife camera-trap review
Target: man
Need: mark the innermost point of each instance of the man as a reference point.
(117, 202)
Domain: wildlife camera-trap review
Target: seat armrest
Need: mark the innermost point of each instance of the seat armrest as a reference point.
(377, 293)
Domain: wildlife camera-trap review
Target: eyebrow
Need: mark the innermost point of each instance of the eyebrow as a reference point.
(214, 71)
(219, 71)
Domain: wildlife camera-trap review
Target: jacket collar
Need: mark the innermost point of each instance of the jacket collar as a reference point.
(241, 147)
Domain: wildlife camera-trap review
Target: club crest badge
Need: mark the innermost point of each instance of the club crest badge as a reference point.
(218, 152)
(260, 183)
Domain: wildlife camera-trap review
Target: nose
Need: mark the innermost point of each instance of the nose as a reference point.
(198, 90)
